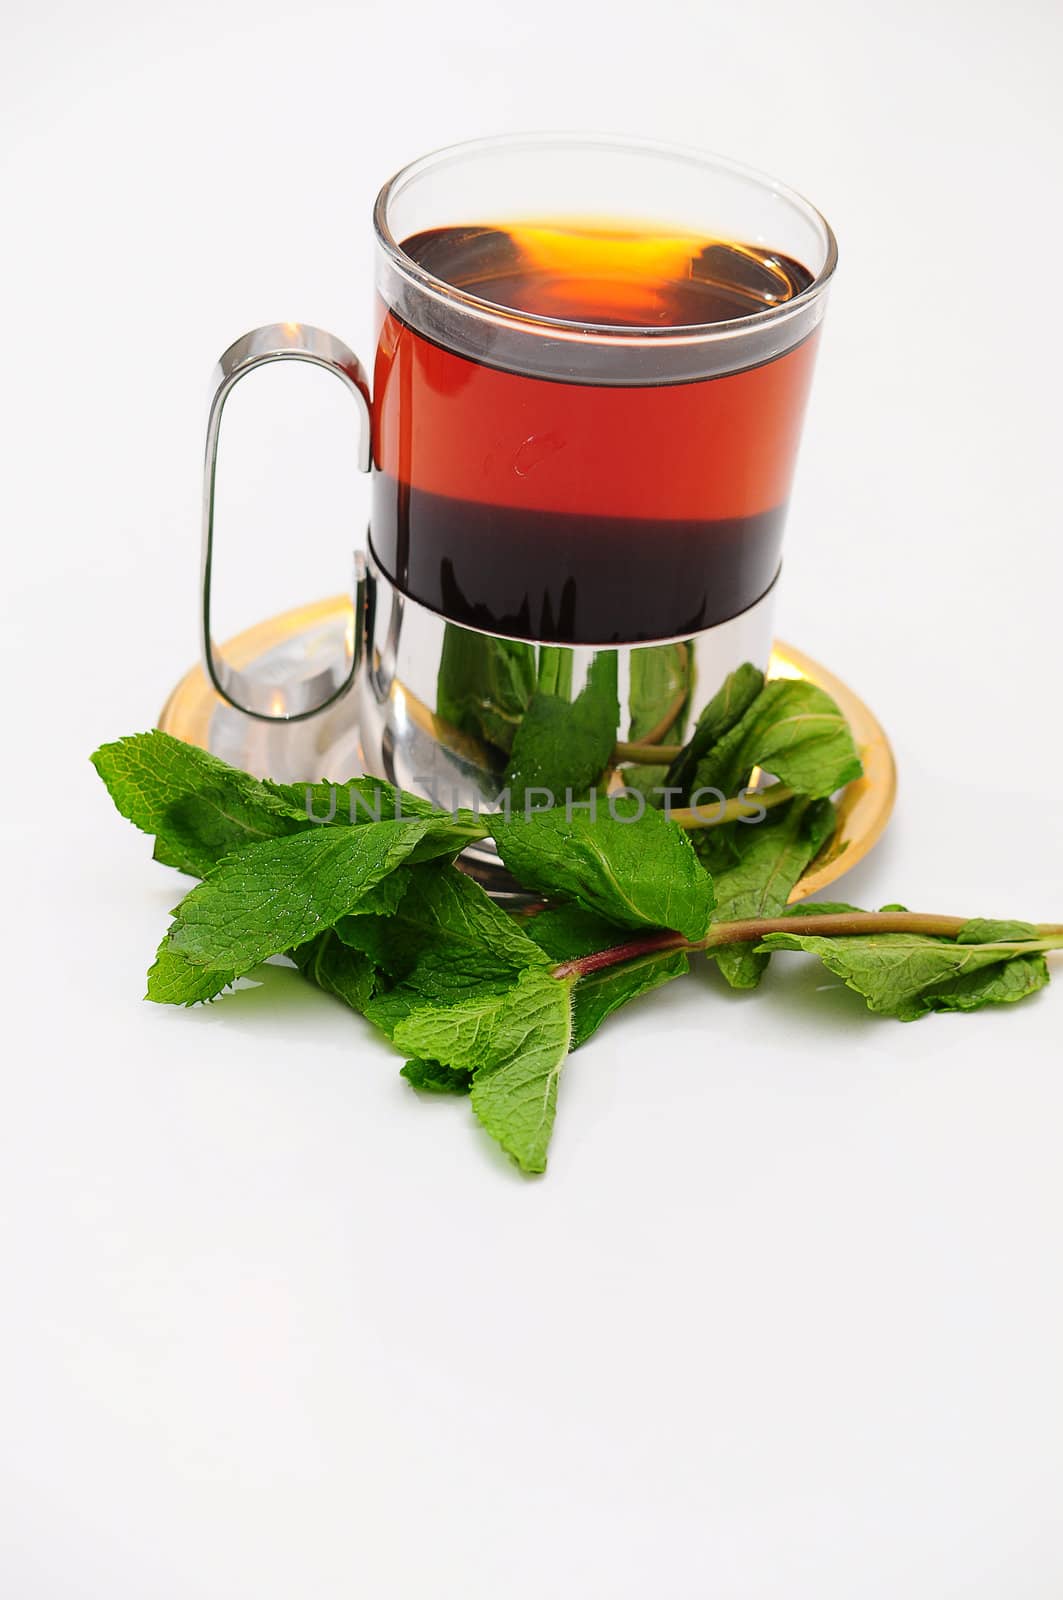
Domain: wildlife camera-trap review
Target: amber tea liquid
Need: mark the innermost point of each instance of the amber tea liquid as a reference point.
(574, 507)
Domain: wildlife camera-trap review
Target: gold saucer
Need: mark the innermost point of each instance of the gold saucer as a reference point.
(326, 746)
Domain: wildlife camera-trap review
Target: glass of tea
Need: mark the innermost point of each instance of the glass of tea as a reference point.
(591, 370)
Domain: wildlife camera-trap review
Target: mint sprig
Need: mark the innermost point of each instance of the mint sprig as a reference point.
(357, 884)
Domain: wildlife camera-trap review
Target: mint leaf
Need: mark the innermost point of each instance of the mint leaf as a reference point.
(727, 706)
(1011, 980)
(515, 1094)
(273, 897)
(514, 1043)
(446, 942)
(770, 857)
(391, 1006)
(640, 872)
(337, 969)
(599, 994)
(385, 897)
(174, 981)
(362, 800)
(907, 975)
(433, 978)
(569, 931)
(432, 1078)
(351, 803)
(981, 930)
(460, 1033)
(826, 908)
(794, 730)
(658, 692)
(199, 808)
(443, 913)
(561, 746)
(484, 684)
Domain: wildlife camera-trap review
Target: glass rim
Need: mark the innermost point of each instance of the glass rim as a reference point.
(610, 333)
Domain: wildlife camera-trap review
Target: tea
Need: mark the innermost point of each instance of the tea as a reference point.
(533, 492)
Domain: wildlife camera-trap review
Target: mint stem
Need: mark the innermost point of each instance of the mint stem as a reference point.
(660, 942)
(646, 753)
(720, 811)
(776, 794)
(839, 923)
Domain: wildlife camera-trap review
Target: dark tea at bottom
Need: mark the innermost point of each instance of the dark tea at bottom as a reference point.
(571, 508)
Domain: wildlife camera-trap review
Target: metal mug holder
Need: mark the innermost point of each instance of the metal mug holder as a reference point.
(296, 699)
(381, 692)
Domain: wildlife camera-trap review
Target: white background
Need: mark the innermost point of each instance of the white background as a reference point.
(785, 1319)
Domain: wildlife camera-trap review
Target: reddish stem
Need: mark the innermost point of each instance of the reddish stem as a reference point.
(837, 923)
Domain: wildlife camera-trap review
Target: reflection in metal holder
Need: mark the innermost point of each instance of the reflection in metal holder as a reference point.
(437, 708)
(451, 713)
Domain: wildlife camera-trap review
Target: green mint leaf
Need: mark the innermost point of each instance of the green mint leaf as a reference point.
(174, 981)
(436, 979)
(727, 706)
(432, 1078)
(392, 1006)
(980, 930)
(447, 941)
(460, 1033)
(826, 908)
(601, 993)
(1009, 981)
(561, 746)
(337, 969)
(640, 872)
(515, 1094)
(770, 857)
(385, 897)
(567, 932)
(362, 800)
(275, 896)
(199, 808)
(351, 803)
(484, 684)
(794, 730)
(443, 914)
(514, 1043)
(432, 984)
(907, 975)
(447, 838)
(658, 692)
(715, 848)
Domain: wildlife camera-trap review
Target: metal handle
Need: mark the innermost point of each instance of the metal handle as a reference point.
(292, 700)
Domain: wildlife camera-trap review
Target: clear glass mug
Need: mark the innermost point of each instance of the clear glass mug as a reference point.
(611, 487)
